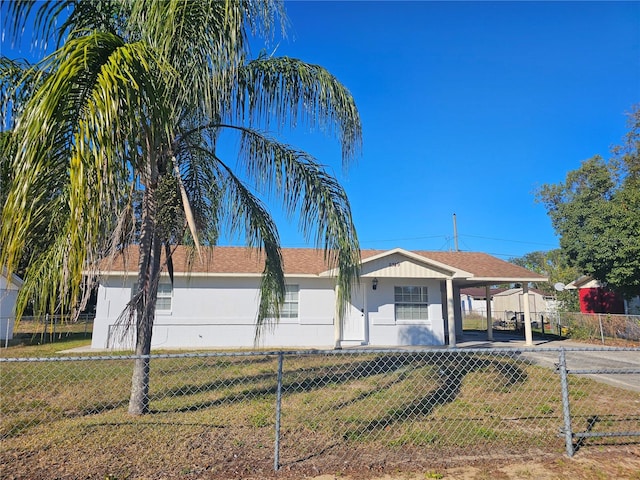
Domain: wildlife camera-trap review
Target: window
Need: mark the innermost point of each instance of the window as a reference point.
(163, 300)
(165, 293)
(412, 303)
(290, 306)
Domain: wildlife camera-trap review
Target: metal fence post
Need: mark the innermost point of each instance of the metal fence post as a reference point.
(601, 329)
(276, 456)
(568, 434)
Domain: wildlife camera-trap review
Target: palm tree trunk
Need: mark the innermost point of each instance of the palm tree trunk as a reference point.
(148, 277)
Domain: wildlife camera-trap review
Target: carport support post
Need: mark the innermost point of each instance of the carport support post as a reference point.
(528, 334)
(487, 293)
(451, 319)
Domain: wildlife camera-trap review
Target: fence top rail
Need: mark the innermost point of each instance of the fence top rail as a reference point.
(344, 352)
(612, 371)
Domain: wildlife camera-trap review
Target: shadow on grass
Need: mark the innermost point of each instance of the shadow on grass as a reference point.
(601, 437)
(448, 370)
(31, 339)
(302, 379)
(451, 376)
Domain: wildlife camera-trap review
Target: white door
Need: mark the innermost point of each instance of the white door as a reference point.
(354, 323)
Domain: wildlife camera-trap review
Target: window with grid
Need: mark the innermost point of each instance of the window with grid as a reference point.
(290, 305)
(165, 295)
(412, 303)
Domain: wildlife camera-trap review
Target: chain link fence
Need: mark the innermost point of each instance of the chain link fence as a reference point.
(45, 329)
(234, 414)
(603, 328)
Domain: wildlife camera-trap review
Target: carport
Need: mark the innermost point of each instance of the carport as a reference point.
(482, 270)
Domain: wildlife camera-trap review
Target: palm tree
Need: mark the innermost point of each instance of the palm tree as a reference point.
(116, 144)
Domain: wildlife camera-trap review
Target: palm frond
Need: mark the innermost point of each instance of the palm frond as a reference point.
(286, 90)
(316, 197)
(202, 40)
(63, 19)
(49, 286)
(247, 215)
(201, 186)
(307, 191)
(18, 81)
(74, 144)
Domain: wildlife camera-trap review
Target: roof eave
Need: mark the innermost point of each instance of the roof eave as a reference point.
(130, 273)
(509, 279)
(14, 279)
(455, 272)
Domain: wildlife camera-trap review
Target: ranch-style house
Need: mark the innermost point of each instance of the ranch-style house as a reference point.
(403, 298)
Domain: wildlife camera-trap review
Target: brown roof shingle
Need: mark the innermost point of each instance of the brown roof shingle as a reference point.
(239, 260)
(307, 261)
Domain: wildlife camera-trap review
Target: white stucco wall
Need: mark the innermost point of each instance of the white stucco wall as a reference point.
(380, 325)
(220, 312)
(8, 296)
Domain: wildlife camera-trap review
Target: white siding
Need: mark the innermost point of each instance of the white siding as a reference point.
(8, 295)
(399, 266)
(221, 311)
(218, 312)
(385, 330)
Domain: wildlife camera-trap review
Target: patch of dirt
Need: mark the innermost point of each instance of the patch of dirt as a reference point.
(610, 342)
(602, 465)
(619, 462)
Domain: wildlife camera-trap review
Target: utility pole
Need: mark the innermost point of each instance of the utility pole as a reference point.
(455, 233)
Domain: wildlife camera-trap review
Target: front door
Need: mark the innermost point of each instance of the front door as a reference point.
(353, 332)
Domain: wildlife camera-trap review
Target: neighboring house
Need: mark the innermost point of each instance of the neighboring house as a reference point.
(9, 287)
(510, 303)
(474, 300)
(403, 298)
(597, 298)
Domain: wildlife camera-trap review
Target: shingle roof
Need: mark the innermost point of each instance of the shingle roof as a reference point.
(307, 261)
(239, 260)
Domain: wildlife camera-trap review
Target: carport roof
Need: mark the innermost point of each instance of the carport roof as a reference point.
(484, 269)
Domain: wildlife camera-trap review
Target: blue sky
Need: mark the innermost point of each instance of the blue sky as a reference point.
(467, 108)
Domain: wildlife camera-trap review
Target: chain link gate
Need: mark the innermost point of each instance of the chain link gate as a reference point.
(591, 421)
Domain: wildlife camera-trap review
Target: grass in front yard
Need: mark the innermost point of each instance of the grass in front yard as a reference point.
(37, 338)
(224, 407)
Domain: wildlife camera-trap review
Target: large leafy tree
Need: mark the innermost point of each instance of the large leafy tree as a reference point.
(114, 141)
(596, 212)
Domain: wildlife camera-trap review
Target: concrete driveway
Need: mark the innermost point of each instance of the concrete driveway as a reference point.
(579, 356)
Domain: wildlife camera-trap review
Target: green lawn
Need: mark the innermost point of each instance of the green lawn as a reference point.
(396, 403)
